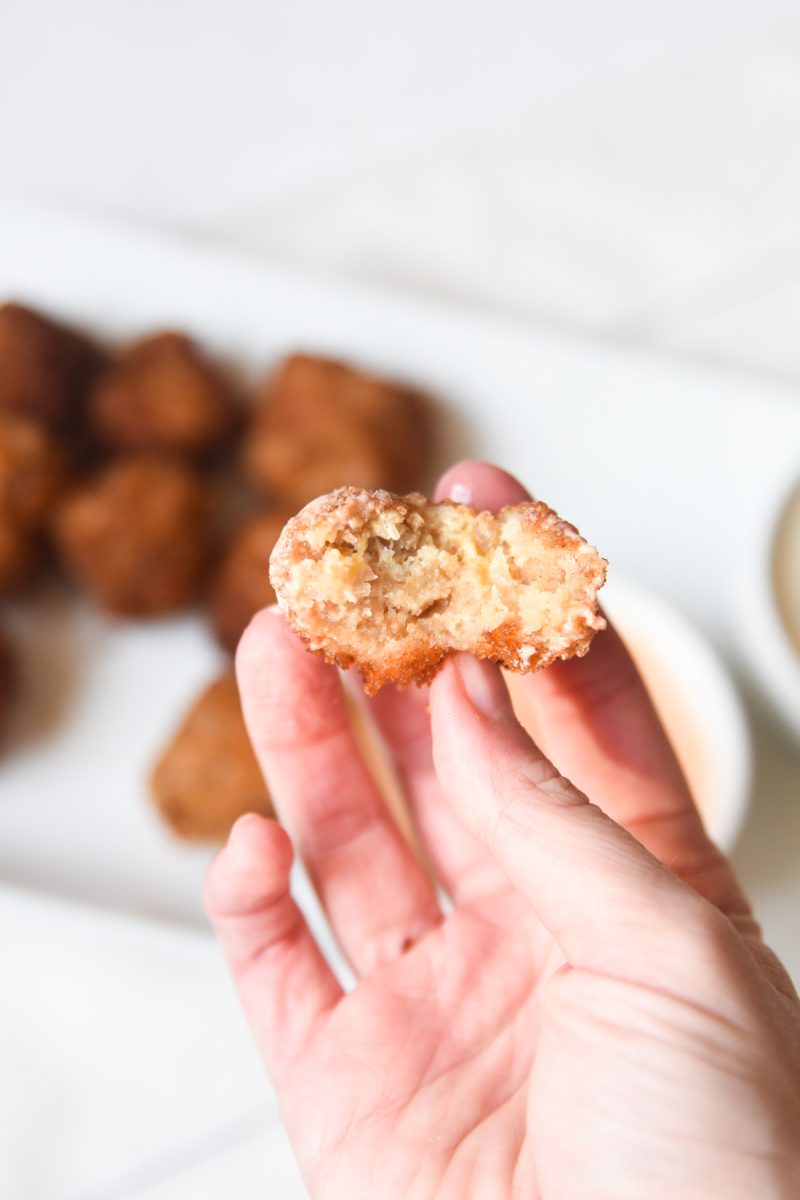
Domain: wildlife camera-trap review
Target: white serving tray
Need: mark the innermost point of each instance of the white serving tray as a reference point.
(658, 463)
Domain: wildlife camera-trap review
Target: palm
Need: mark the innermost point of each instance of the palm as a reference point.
(434, 1049)
(452, 1069)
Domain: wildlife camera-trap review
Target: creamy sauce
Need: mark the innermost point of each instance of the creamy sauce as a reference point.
(786, 568)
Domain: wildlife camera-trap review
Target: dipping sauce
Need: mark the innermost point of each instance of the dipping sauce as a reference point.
(786, 568)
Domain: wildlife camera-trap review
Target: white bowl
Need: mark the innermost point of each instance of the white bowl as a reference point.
(772, 658)
(696, 699)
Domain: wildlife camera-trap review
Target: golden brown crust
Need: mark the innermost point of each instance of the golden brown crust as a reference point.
(163, 395)
(335, 523)
(137, 536)
(208, 776)
(45, 368)
(322, 423)
(241, 585)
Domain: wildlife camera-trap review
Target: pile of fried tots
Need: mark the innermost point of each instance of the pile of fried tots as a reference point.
(148, 476)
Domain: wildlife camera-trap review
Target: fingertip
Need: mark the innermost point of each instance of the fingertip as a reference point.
(480, 484)
(276, 675)
(256, 642)
(251, 870)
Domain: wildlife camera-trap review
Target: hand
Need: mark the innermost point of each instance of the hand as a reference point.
(596, 1017)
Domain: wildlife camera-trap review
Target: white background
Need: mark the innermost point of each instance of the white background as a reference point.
(626, 169)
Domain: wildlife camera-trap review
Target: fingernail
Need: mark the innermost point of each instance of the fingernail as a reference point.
(484, 686)
(461, 493)
(239, 826)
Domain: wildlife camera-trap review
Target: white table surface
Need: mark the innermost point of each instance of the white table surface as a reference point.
(630, 172)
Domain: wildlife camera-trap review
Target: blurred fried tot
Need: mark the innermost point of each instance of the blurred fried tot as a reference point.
(137, 536)
(32, 475)
(163, 395)
(45, 368)
(322, 424)
(241, 586)
(8, 680)
(208, 774)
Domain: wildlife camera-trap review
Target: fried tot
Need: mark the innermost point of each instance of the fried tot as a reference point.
(33, 473)
(394, 584)
(8, 681)
(208, 774)
(241, 586)
(163, 395)
(45, 368)
(137, 536)
(323, 423)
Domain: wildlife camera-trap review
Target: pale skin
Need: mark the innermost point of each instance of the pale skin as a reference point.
(597, 1018)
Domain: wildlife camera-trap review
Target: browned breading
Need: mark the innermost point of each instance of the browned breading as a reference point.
(45, 368)
(393, 585)
(32, 475)
(163, 395)
(208, 774)
(323, 423)
(137, 536)
(241, 586)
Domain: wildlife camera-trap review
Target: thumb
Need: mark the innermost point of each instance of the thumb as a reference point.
(604, 898)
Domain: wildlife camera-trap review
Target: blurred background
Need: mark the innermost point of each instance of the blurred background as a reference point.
(627, 175)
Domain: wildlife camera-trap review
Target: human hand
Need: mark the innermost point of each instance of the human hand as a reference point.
(586, 1023)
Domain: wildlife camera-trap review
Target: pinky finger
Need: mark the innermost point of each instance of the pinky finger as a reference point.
(284, 982)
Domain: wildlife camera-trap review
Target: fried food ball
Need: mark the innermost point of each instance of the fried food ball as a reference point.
(323, 424)
(241, 586)
(208, 775)
(32, 475)
(394, 584)
(8, 680)
(45, 368)
(163, 395)
(137, 536)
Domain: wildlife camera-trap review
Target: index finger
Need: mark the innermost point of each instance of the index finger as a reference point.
(610, 905)
(593, 716)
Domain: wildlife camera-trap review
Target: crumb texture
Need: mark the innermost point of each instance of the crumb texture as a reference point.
(394, 584)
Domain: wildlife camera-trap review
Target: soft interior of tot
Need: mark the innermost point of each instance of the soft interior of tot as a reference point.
(454, 574)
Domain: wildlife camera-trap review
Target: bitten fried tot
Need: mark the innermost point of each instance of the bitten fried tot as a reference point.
(394, 584)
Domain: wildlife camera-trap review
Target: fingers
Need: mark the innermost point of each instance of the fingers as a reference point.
(377, 898)
(485, 487)
(285, 984)
(601, 895)
(595, 718)
(460, 862)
